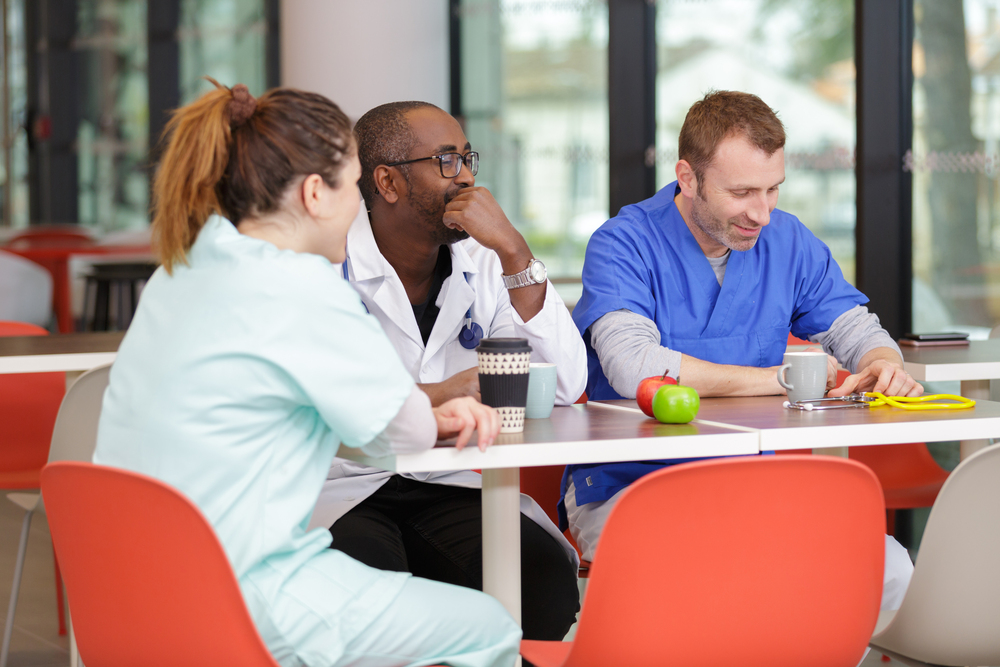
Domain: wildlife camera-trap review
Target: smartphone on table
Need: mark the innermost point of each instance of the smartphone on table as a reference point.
(934, 339)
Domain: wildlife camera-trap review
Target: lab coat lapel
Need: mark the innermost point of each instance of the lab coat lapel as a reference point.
(377, 282)
(455, 300)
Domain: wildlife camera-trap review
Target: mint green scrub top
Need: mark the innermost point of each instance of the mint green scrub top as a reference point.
(238, 378)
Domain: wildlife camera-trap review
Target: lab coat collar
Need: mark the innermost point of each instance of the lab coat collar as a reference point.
(379, 283)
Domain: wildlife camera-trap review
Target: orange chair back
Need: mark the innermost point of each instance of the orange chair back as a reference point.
(51, 236)
(909, 475)
(741, 561)
(542, 483)
(29, 403)
(147, 579)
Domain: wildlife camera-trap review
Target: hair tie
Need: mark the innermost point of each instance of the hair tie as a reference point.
(242, 106)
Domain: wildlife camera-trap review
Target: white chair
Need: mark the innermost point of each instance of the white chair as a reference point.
(73, 439)
(25, 290)
(951, 612)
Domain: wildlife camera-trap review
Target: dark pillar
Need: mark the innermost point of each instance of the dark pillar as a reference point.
(883, 47)
(631, 101)
(54, 80)
(162, 20)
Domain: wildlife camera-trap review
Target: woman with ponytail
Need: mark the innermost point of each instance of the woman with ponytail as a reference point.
(250, 360)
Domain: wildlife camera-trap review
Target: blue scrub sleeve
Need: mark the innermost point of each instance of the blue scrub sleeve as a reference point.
(821, 292)
(615, 276)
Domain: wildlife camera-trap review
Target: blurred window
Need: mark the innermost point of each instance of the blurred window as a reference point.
(956, 163)
(798, 57)
(534, 100)
(113, 134)
(14, 166)
(223, 39)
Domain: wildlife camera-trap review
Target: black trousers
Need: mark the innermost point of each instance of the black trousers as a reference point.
(436, 532)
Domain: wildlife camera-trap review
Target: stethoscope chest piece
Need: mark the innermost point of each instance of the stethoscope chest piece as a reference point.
(470, 335)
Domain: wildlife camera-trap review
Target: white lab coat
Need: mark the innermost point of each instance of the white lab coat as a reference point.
(475, 283)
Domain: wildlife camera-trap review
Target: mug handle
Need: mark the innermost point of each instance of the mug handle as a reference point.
(781, 377)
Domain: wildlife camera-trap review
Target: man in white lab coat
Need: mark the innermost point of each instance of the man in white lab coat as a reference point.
(440, 266)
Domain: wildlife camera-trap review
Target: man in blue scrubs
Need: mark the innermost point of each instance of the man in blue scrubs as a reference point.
(705, 280)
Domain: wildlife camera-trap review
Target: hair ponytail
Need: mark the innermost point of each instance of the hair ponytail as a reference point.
(230, 154)
(193, 163)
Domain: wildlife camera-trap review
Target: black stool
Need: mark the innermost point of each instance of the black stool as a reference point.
(112, 294)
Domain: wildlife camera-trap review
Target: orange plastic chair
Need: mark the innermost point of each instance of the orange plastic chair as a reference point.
(147, 579)
(770, 561)
(28, 406)
(50, 246)
(112, 528)
(29, 403)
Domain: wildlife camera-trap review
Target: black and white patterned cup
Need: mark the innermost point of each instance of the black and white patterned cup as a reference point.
(503, 379)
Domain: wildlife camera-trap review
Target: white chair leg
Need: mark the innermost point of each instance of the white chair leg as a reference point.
(15, 587)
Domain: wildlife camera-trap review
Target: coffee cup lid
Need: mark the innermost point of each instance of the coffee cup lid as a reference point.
(504, 345)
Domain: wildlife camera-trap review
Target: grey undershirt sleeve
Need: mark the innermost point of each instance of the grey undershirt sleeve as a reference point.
(853, 335)
(628, 347)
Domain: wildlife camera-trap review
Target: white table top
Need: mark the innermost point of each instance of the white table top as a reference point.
(590, 433)
(58, 353)
(979, 360)
(781, 428)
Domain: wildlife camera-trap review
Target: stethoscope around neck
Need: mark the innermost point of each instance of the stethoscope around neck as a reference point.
(468, 337)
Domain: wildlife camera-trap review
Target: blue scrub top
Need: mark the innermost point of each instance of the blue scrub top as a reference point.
(647, 261)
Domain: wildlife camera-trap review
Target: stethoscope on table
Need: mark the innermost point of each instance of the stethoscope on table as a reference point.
(468, 337)
(874, 399)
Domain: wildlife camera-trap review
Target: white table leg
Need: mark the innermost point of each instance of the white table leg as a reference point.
(980, 391)
(502, 537)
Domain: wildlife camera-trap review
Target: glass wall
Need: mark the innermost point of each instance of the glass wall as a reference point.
(956, 163)
(113, 134)
(534, 101)
(14, 166)
(797, 56)
(223, 39)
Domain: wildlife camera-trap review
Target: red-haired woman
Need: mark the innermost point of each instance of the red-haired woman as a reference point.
(250, 360)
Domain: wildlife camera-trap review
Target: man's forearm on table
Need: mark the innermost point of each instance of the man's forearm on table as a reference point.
(628, 346)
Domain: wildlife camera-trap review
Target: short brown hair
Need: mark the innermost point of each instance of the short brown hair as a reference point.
(721, 114)
(228, 153)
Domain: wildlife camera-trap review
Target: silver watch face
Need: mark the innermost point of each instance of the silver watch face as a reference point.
(537, 271)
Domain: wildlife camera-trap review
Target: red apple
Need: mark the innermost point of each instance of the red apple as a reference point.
(647, 390)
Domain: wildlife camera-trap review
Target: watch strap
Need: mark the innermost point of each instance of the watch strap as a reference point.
(521, 278)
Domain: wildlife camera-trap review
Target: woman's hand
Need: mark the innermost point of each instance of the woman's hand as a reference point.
(461, 416)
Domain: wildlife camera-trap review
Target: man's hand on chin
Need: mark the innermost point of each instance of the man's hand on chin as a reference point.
(475, 211)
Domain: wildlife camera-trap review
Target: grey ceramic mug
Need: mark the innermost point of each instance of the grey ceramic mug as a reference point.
(803, 375)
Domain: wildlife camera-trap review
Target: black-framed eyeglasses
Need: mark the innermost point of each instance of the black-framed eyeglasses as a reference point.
(450, 163)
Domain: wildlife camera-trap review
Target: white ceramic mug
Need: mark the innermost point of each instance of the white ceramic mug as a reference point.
(803, 375)
(541, 391)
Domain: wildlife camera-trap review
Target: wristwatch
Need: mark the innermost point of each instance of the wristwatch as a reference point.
(533, 275)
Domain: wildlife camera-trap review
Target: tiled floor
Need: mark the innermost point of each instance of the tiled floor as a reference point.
(36, 641)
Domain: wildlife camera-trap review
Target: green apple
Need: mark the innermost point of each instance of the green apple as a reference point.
(675, 404)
